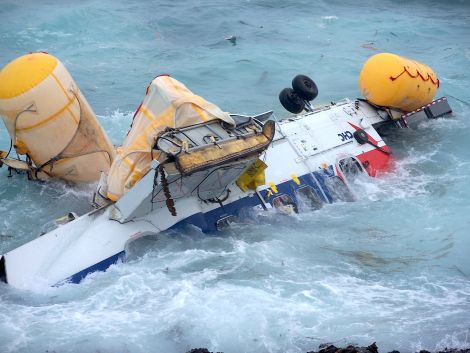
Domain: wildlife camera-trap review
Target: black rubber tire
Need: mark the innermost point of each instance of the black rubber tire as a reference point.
(291, 101)
(305, 87)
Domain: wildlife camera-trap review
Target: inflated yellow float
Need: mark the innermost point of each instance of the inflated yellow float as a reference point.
(394, 81)
(50, 121)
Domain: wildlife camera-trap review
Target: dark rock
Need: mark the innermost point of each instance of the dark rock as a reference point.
(329, 348)
(373, 348)
(350, 349)
(325, 348)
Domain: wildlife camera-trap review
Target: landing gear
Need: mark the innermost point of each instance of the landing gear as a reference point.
(305, 87)
(291, 101)
(297, 98)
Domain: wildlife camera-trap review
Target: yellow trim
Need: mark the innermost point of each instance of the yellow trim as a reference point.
(148, 114)
(60, 85)
(21, 147)
(66, 94)
(295, 179)
(164, 119)
(48, 119)
(112, 197)
(24, 73)
(133, 178)
(177, 86)
(132, 166)
(129, 163)
(73, 115)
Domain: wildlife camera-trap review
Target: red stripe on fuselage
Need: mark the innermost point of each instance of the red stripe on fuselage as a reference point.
(375, 161)
(371, 139)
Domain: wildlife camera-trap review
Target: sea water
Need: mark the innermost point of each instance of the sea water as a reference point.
(393, 267)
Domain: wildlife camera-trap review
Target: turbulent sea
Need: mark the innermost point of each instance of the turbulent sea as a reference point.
(393, 267)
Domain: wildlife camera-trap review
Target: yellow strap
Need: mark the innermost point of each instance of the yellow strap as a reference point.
(73, 116)
(60, 85)
(112, 197)
(147, 113)
(48, 119)
(66, 94)
(177, 86)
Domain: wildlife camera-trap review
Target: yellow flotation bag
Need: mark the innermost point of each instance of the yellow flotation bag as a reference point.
(167, 104)
(50, 121)
(394, 81)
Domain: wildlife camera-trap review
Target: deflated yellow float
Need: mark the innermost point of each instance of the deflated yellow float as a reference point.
(167, 103)
(394, 81)
(50, 121)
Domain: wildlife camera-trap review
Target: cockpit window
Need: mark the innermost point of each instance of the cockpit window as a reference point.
(350, 167)
(285, 204)
(338, 190)
(225, 222)
(308, 198)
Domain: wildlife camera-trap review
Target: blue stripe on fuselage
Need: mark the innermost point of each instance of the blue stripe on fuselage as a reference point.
(100, 266)
(207, 222)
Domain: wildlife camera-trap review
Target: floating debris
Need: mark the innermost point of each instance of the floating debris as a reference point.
(369, 46)
(263, 77)
(232, 39)
(248, 24)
